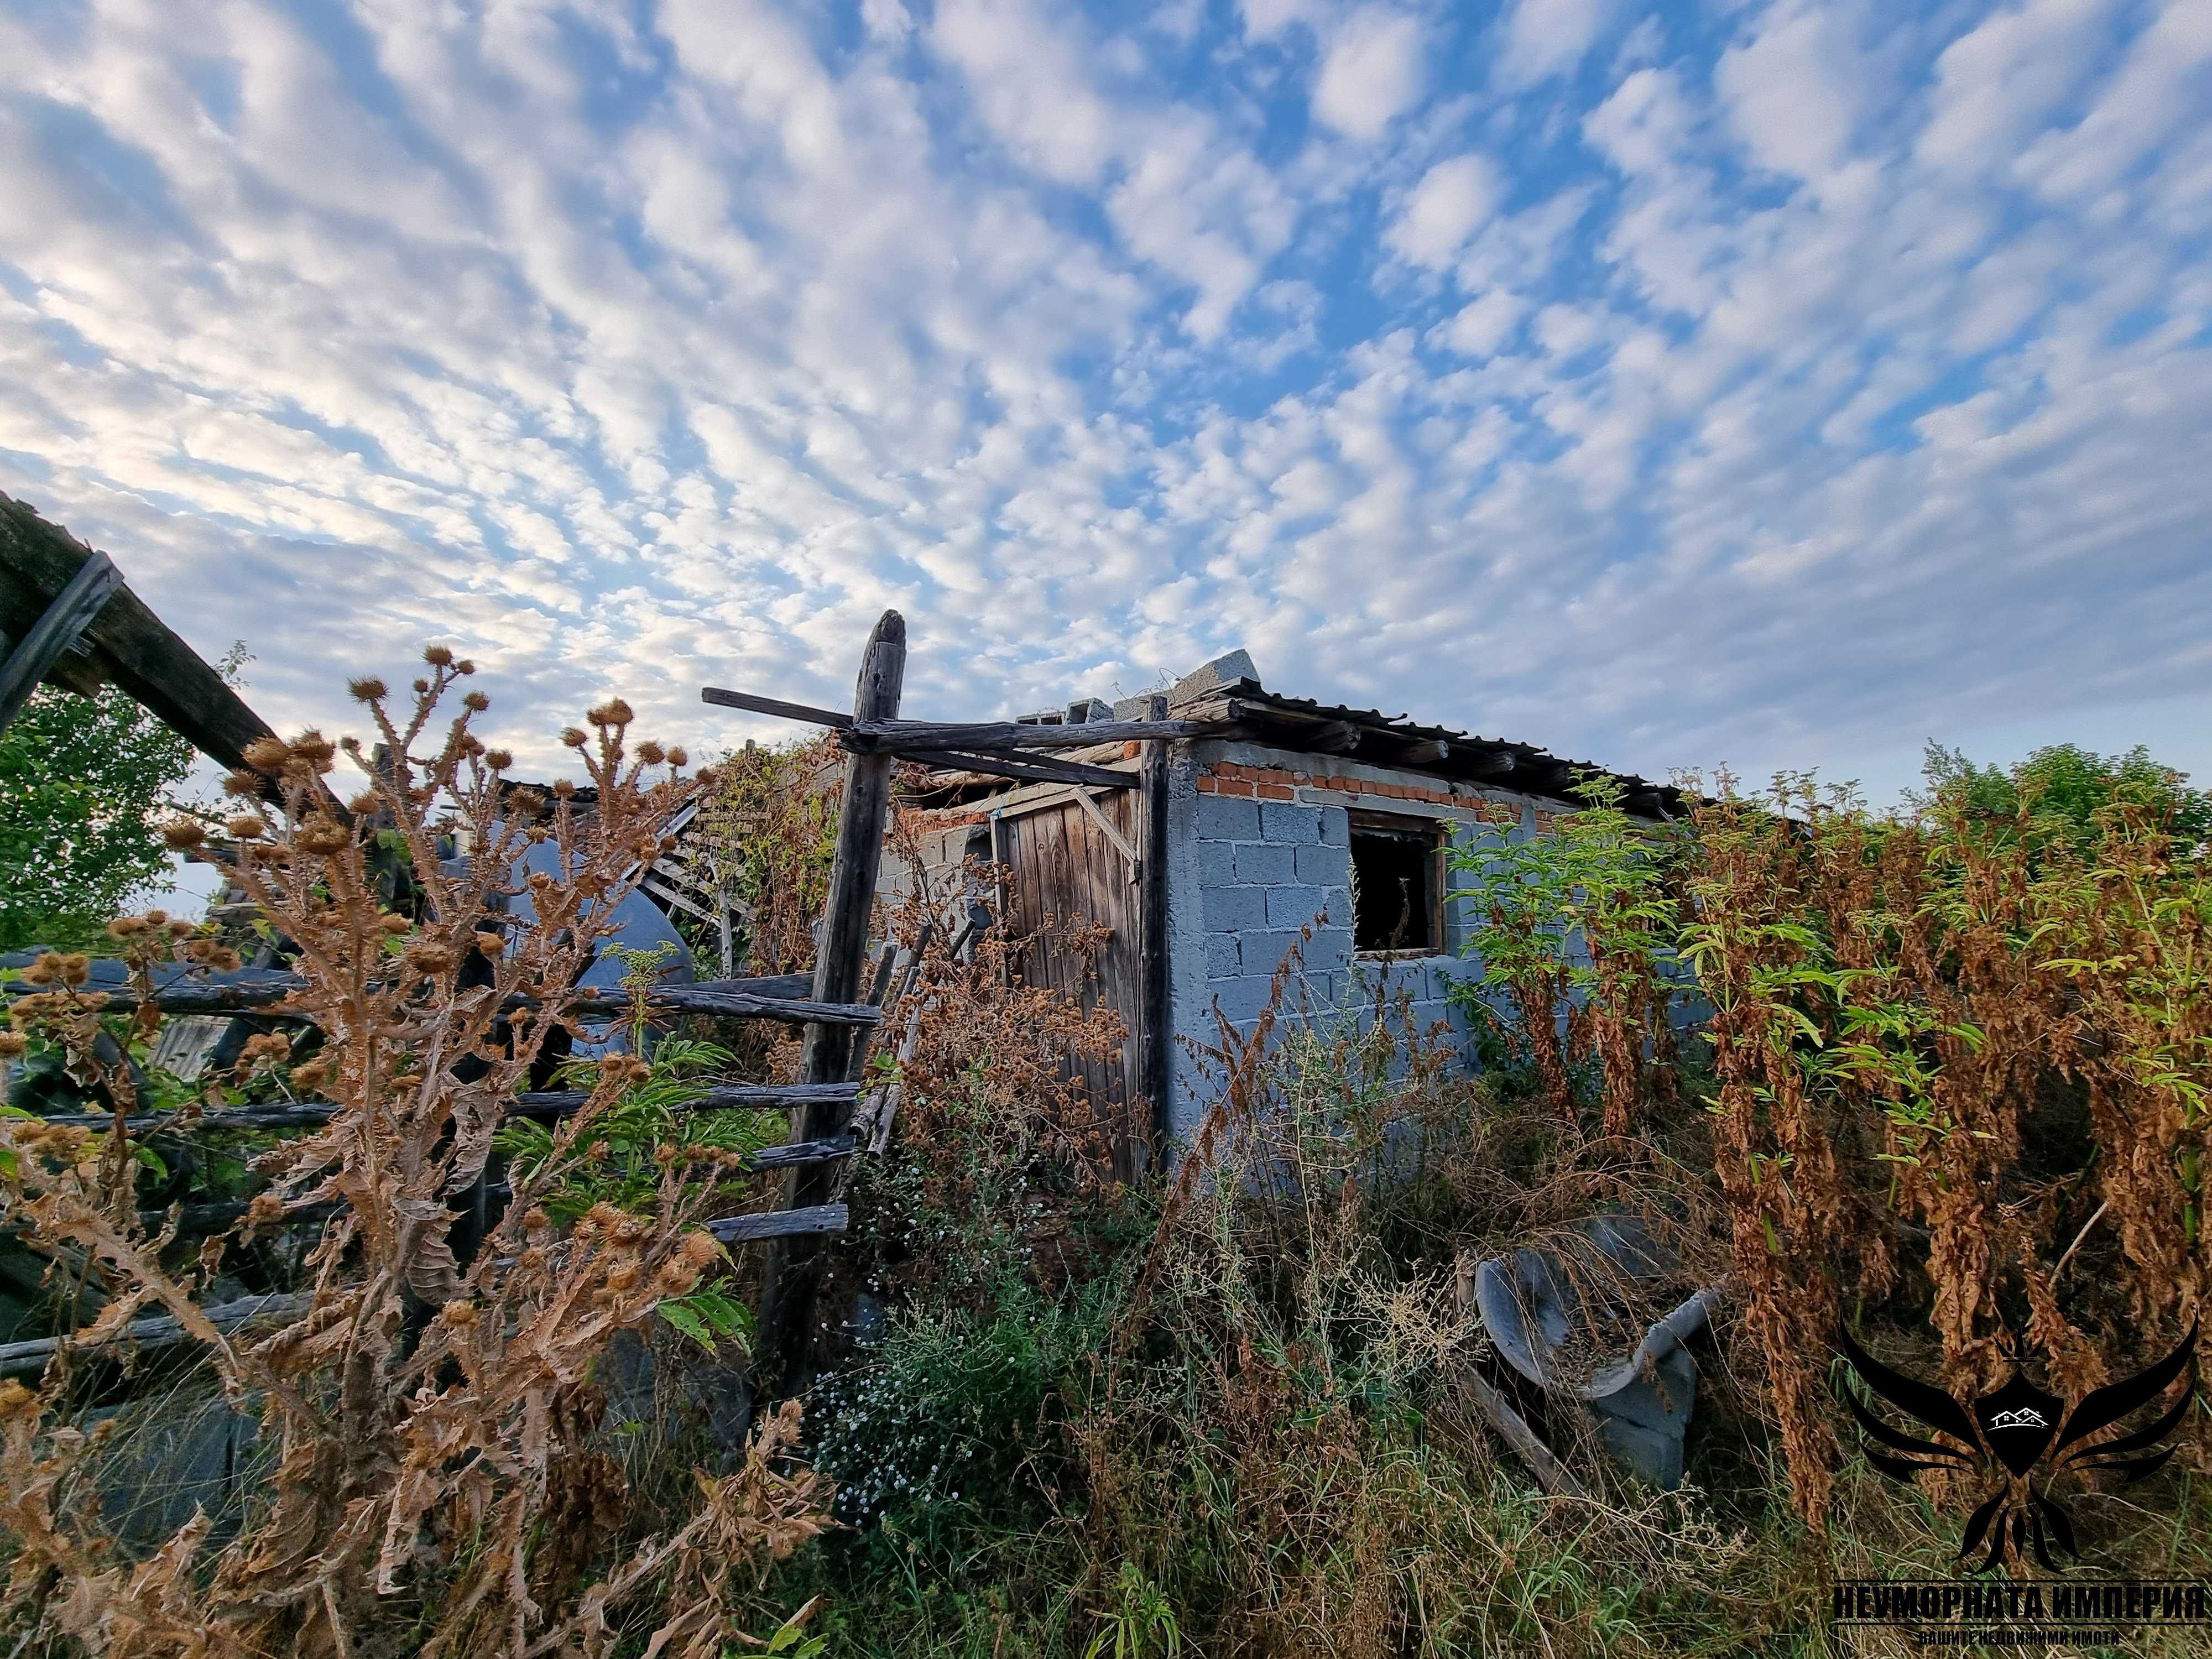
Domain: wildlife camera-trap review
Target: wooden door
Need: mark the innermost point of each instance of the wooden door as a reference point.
(1063, 864)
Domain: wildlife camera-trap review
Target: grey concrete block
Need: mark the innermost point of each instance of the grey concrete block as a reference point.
(1224, 960)
(1330, 947)
(1293, 907)
(1264, 952)
(1393, 978)
(1235, 909)
(1227, 820)
(1335, 827)
(1288, 821)
(1269, 864)
(1449, 971)
(1216, 863)
(1226, 669)
(1241, 999)
(1337, 902)
(1323, 865)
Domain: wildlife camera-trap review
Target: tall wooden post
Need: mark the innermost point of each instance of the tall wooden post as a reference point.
(784, 1354)
(1159, 1018)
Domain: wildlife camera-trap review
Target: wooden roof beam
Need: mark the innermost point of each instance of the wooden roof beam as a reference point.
(1028, 770)
(874, 736)
(127, 645)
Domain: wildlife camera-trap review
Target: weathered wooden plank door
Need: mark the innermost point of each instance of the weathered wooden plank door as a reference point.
(1063, 865)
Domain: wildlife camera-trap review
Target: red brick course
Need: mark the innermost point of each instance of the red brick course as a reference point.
(1241, 783)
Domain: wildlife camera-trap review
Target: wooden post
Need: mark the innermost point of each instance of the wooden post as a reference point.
(55, 630)
(794, 1265)
(1158, 1057)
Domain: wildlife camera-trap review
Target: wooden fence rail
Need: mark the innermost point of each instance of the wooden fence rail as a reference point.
(544, 1105)
(265, 997)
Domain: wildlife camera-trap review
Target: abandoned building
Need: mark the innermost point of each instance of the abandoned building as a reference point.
(1296, 816)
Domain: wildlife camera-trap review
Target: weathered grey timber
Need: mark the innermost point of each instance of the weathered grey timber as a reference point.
(811, 1221)
(863, 736)
(1159, 1023)
(190, 997)
(1024, 771)
(864, 733)
(793, 1269)
(126, 645)
(56, 631)
(28, 1359)
(543, 1106)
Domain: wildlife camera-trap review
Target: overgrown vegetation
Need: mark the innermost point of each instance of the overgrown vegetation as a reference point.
(769, 826)
(433, 1484)
(1941, 1075)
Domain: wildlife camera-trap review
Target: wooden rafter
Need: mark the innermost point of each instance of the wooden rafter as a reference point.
(124, 644)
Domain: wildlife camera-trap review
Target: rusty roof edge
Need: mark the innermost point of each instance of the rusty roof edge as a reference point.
(1244, 700)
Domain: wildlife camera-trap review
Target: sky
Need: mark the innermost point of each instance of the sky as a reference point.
(1774, 384)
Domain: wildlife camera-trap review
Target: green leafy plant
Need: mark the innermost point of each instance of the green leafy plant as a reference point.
(1576, 924)
(651, 1120)
(85, 785)
(1141, 1625)
(709, 1318)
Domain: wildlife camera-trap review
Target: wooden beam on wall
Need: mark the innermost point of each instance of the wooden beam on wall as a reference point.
(790, 711)
(727, 996)
(1026, 770)
(1158, 1068)
(863, 736)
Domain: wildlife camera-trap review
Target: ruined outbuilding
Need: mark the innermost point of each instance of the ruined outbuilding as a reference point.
(1288, 815)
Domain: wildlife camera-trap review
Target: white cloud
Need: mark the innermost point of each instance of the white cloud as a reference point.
(1029, 83)
(1483, 326)
(1371, 72)
(2159, 89)
(1447, 206)
(2001, 79)
(1644, 126)
(1265, 18)
(1540, 38)
(1789, 92)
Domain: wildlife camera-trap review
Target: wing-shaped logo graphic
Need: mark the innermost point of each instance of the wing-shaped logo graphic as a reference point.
(2008, 1435)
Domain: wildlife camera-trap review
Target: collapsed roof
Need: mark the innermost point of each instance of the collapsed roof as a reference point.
(1228, 689)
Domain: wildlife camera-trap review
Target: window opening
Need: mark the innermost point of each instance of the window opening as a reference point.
(1393, 879)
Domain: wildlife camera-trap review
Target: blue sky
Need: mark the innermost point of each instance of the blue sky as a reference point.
(1761, 384)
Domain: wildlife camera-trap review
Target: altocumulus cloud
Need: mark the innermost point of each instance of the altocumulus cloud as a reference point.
(1667, 386)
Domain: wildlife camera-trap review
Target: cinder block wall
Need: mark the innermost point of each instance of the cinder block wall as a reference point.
(1259, 844)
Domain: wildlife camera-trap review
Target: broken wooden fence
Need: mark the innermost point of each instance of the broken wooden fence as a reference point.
(69, 619)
